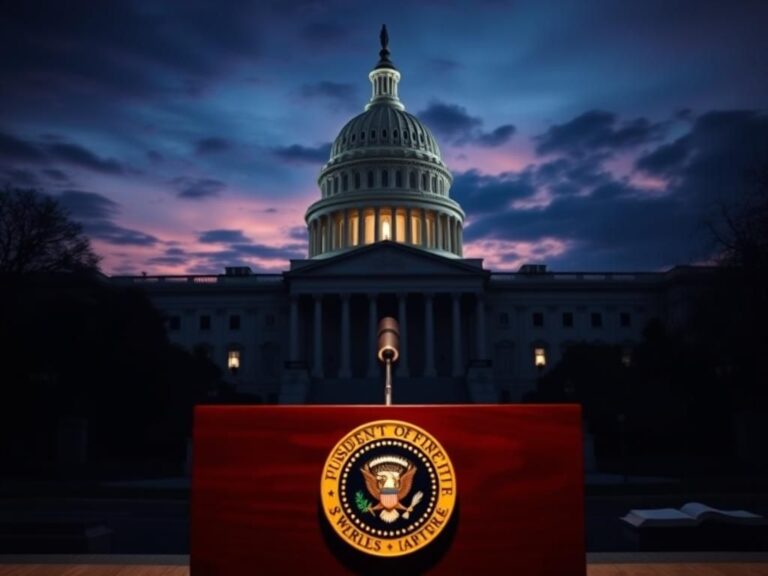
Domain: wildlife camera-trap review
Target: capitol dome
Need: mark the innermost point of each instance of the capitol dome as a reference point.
(385, 180)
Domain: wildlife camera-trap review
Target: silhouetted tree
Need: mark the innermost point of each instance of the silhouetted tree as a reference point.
(37, 235)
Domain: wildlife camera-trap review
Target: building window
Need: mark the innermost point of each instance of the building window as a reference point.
(596, 320)
(434, 184)
(336, 185)
(370, 179)
(205, 322)
(357, 180)
(362, 135)
(441, 186)
(424, 181)
(412, 180)
(504, 319)
(539, 357)
(405, 135)
(538, 319)
(384, 133)
(234, 322)
(567, 319)
(399, 179)
(344, 182)
(373, 134)
(174, 323)
(394, 134)
(625, 318)
(385, 178)
(233, 361)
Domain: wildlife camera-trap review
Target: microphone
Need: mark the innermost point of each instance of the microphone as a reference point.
(389, 352)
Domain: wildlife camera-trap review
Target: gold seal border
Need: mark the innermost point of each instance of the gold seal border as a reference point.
(350, 444)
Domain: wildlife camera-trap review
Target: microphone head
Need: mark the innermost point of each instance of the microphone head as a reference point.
(389, 339)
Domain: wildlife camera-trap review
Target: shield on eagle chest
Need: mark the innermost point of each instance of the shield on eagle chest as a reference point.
(388, 498)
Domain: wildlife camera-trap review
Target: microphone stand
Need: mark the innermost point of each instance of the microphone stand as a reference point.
(388, 383)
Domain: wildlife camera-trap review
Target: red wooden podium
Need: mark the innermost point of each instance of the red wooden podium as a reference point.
(257, 509)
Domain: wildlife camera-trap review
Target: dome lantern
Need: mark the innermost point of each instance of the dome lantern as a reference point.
(384, 78)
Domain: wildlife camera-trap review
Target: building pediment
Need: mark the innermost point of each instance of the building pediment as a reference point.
(386, 259)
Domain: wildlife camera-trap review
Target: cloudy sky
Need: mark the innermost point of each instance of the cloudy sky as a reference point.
(186, 136)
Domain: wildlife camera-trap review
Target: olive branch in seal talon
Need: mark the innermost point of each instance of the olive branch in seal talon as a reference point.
(362, 503)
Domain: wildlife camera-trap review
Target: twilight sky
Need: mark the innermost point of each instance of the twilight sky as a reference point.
(186, 136)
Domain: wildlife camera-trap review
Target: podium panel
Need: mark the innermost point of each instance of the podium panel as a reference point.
(260, 499)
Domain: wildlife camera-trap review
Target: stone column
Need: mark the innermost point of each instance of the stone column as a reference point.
(458, 364)
(438, 231)
(423, 228)
(429, 337)
(360, 227)
(345, 234)
(482, 353)
(317, 361)
(408, 235)
(393, 217)
(328, 233)
(344, 371)
(372, 327)
(293, 355)
(402, 318)
(448, 239)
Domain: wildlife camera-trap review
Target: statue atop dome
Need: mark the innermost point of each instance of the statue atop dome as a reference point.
(384, 61)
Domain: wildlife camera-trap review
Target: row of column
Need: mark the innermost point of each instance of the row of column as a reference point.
(345, 370)
(330, 232)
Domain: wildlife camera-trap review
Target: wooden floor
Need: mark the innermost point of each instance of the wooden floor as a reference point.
(718, 569)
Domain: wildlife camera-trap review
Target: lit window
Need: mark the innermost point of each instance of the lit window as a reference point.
(233, 361)
(386, 233)
(539, 357)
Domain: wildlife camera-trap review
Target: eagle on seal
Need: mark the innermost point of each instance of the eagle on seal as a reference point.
(389, 480)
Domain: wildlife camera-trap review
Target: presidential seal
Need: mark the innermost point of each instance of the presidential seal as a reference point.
(388, 488)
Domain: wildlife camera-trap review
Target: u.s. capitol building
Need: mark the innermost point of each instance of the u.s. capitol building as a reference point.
(385, 239)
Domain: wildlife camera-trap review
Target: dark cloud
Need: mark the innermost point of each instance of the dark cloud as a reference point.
(197, 188)
(123, 50)
(87, 205)
(155, 156)
(613, 224)
(212, 145)
(96, 213)
(170, 257)
(298, 153)
(13, 148)
(481, 194)
(80, 156)
(19, 177)
(298, 233)
(16, 149)
(57, 175)
(597, 131)
(455, 125)
(222, 237)
(501, 135)
(111, 233)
